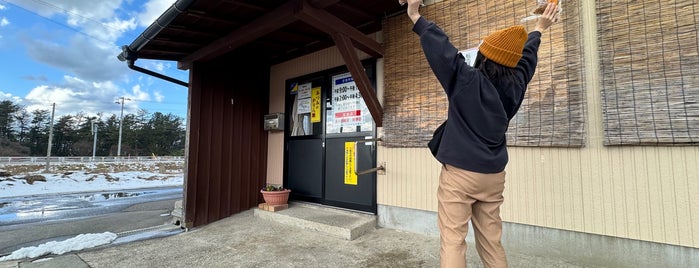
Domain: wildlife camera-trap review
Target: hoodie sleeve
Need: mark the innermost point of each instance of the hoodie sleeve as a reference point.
(526, 68)
(443, 57)
(527, 64)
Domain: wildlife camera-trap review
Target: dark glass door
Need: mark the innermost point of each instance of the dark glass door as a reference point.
(329, 138)
(348, 127)
(305, 139)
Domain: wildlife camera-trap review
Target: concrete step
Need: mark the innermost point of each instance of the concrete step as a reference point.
(331, 221)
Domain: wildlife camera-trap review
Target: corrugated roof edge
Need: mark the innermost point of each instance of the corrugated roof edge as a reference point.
(159, 24)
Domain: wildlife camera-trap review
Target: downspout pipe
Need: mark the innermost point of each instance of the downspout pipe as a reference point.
(131, 60)
(130, 53)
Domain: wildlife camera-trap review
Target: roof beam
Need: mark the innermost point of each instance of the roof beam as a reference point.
(349, 54)
(330, 24)
(355, 11)
(205, 16)
(322, 3)
(247, 5)
(158, 54)
(189, 30)
(163, 40)
(309, 11)
(274, 20)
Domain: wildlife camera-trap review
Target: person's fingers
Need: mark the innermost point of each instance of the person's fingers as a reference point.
(550, 9)
(550, 12)
(556, 16)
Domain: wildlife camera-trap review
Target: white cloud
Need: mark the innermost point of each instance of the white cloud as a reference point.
(89, 58)
(98, 19)
(76, 95)
(2, 7)
(153, 10)
(75, 11)
(159, 97)
(80, 57)
(160, 66)
(4, 96)
(48, 94)
(90, 55)
(108, 32)
(4, 22)
(139, 94)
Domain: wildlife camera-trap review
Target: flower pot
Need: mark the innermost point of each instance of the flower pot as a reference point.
(274, 198)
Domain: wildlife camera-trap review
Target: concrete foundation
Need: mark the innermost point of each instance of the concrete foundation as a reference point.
(574, 247)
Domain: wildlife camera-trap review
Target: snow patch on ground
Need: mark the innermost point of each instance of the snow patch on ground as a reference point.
(79, 242)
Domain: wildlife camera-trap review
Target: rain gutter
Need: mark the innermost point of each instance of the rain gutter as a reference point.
(132, 66)
(130, 53)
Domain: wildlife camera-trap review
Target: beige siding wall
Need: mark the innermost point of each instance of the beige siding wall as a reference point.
(645, 193)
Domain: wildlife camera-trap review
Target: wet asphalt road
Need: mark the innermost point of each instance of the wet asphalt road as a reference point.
(32, 220)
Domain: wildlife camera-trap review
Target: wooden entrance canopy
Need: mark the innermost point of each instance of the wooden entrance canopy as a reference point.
(278, 30)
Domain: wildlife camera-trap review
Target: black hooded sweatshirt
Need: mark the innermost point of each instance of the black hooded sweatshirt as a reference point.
(479, 110)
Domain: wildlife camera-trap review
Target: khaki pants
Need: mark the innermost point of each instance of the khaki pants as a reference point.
(464, 196)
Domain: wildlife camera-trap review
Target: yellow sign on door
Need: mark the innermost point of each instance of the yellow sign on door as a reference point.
(350, 160)
(315, 105)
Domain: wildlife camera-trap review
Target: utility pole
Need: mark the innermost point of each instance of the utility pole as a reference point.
(94, 140)
(48, 150)
(121, 122)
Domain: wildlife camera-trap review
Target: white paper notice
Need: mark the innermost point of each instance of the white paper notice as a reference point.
(347, 101)
(305, 91)
(304, 106)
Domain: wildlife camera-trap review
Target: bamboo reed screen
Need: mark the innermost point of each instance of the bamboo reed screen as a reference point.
(415, 104)
(649, 59)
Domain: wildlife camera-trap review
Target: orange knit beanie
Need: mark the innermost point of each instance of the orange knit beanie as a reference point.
(505, 46)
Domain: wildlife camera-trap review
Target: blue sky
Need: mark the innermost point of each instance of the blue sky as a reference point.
(65, 51)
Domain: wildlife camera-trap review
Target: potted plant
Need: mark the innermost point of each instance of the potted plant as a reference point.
(275, 195)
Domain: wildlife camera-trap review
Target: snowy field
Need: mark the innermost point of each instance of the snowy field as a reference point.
(32, 179)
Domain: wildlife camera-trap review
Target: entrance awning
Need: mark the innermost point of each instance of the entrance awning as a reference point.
(202, 30)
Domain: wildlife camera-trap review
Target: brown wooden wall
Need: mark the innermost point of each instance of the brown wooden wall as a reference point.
(227, 150)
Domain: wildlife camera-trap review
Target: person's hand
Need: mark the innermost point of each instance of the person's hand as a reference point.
(413, 6)
(546, 19)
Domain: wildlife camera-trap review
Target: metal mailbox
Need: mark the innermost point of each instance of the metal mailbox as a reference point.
(274, 122)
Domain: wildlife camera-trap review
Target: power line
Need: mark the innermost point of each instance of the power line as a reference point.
(75, 29)
(65, 11)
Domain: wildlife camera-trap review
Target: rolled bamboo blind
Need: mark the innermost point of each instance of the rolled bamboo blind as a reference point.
(552, 113)
(649, 59)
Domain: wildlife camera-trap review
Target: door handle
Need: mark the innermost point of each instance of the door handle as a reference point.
(371, 170)
(381, 168)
